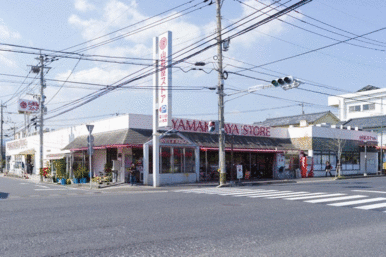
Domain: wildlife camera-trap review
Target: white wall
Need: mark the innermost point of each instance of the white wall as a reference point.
(98, 161)
(377, 96)
(372, 162)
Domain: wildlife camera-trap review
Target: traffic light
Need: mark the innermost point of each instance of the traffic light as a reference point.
(213, 126)
(34, 122)
(286, 83)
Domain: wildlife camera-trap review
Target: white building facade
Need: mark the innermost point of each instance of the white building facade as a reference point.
(188, 153)
(367, 102)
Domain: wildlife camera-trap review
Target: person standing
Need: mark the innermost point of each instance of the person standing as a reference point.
(132, 174)
(328, 168)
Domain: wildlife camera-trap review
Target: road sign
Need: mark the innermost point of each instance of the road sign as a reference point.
(90, 139)
(90, 128)
(90, 151)
(239, 169)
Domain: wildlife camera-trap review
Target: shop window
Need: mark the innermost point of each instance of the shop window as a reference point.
(350, 161)
(318, 162)
(166, 160)
(320, 159)
(190, 162)
(150, 160)
(178, 160)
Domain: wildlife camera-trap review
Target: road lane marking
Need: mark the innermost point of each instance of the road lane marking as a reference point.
(312, 197)
(336, 199)
(371, 206)
(358, 201)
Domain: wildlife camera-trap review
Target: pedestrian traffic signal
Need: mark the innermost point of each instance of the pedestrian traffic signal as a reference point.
(213, 126)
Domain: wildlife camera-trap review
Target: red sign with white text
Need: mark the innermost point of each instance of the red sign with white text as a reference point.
(30, 106)
(164, 80)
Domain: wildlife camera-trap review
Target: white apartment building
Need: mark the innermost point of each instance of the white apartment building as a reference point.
(366, 102)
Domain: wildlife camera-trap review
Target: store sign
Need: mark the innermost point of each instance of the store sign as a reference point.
(368, 138)
(30, 106)
(20, 144)
(230, 128)
(174, 141)
(165, 80)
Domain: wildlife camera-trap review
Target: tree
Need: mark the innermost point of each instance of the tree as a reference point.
(337, 144)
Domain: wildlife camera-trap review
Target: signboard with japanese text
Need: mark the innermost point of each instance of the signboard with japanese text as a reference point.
(28, 106)
(165, 80)
(239, 169)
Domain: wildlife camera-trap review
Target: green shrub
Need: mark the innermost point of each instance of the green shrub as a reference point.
(60, 166)
(81, 172)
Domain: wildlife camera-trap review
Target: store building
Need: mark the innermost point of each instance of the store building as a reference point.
(188, 153)
(301, 120)
(322, 143)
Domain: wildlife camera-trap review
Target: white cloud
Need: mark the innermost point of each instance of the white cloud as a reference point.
(274, 27)
(83, 5)
(117, 15)
(6, 33)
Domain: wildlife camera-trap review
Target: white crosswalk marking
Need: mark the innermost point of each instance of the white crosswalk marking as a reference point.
(313, 197)
(261, 193)
(297, 195)
(287, 194)
(358, 201)
(372, 206)
(336, 199)
(331, 199)
(245, 193)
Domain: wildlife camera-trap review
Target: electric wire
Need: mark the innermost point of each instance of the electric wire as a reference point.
(311, 51)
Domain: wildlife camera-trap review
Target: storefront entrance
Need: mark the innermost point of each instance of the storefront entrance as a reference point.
(255, 165)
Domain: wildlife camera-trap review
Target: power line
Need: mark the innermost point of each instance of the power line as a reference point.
(333, 32)
(311, 51)
(98, 94)
(159, 14)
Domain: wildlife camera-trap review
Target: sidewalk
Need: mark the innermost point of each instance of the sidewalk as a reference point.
(141, 187)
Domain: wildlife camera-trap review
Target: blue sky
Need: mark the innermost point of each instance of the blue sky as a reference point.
(58, 25)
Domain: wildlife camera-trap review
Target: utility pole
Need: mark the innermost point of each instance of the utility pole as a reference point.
(37, 69)
(2, 153)
(41, 111)
(220, 91)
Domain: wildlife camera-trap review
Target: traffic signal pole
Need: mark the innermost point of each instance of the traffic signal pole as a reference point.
(220, 92)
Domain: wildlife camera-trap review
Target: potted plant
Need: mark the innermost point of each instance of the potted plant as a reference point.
(60, 166)
(77, 175)
(108, 169)
(83, 172)
(45, 173)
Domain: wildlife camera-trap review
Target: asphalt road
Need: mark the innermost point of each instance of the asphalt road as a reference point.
(265, 220)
